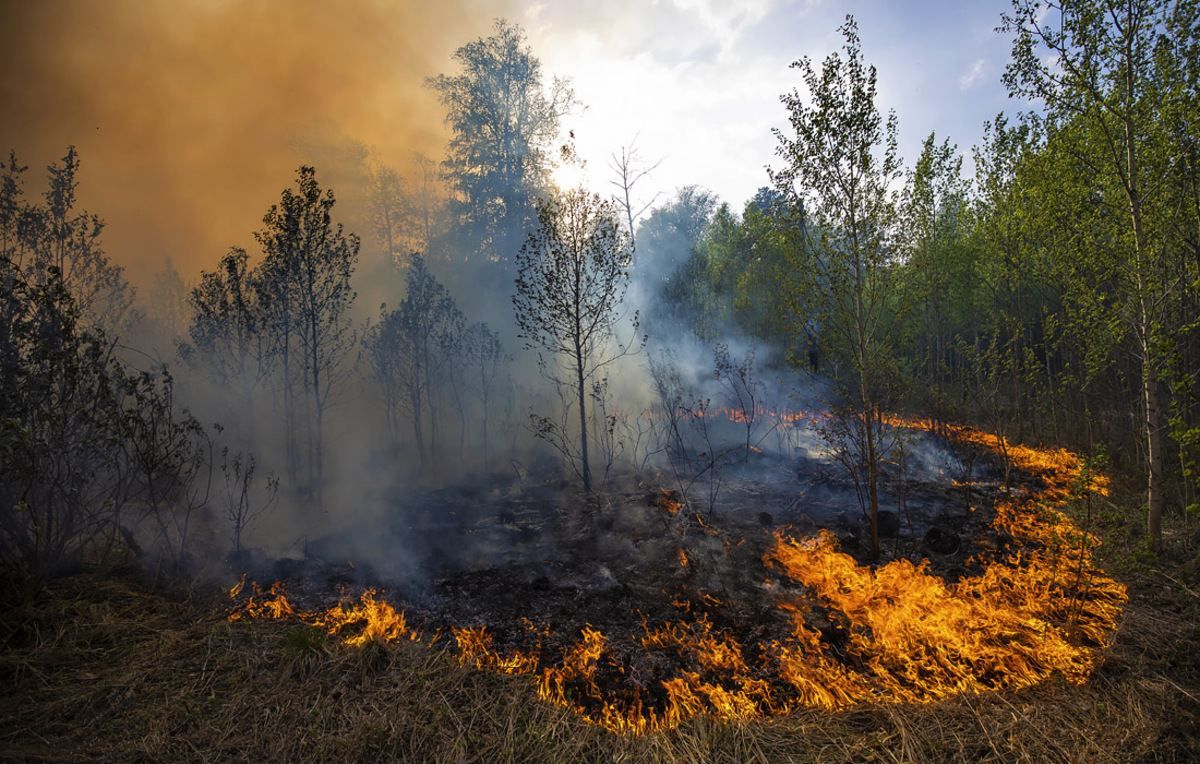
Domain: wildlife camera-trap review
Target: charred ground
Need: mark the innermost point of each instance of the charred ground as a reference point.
(517, 552)
(107, 670)
(639, 610)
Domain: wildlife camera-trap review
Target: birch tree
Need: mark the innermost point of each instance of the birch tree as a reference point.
(573, 275)
(840, 161)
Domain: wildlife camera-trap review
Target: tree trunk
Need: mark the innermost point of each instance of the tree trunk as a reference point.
(1155, 495)
(487, 456)
(583, 434)
(1154, 425)
(872, 478)
(417, 434)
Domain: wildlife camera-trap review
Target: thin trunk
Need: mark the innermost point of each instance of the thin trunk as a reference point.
(487, 456)
(317, 466)
(583, 435)
(872, 475)
(289, 420)
(415, 398)
(1151, 398)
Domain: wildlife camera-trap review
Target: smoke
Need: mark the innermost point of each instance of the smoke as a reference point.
(190, 116)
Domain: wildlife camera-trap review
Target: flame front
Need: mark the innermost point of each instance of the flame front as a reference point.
(909, 636)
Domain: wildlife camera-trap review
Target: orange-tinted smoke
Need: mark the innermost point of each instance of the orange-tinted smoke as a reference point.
(192, 115)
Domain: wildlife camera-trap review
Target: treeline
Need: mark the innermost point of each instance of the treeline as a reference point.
(1053, 296)
(90, 446)
(102, 459)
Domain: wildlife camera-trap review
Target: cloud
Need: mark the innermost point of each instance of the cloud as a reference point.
(972, 75)
(726, 20)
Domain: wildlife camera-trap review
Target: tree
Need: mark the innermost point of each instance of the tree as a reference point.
(86, 445)
(573, 275)
(390, 212)
(503, 123)
(628, 170)
(60, 427)
(484, 356)
(228, 333)
(840, 162)
(1093, 65)
(304, 289)
(933, 227)
(426, 203)
(38, 237)
(242, 508)
(1005, 271)
(669, 263)
(405, 351)
(766, 262)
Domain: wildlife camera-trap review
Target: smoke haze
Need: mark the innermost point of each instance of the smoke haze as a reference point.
(191, 116)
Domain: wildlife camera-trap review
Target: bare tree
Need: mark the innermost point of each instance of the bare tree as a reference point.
(742, 390)
(680, 412)
(242, 508)
(573, 275)
(629, 170)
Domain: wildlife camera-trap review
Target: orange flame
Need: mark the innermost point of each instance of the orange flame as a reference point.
(669, 502)
(909, 635)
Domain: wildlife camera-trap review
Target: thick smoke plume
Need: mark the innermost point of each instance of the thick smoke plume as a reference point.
(191, 115)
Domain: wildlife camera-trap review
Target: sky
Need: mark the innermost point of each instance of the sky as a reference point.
(191, 115)
(697, 82)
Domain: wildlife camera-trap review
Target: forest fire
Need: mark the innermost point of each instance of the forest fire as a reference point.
(896, 633)
(393, 381)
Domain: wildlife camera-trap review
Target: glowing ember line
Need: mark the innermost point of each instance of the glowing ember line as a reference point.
(1043, 610)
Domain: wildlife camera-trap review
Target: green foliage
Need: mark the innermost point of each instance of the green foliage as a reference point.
(671, 265)
(503, 123)
(303, 642)
(573, 273)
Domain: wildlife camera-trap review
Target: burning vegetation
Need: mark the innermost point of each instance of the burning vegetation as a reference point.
(625, 456)
(843, 633)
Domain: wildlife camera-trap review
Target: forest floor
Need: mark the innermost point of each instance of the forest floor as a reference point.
(102, 668)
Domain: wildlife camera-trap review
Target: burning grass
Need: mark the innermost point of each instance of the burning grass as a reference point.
(101, 670)
(856, 635)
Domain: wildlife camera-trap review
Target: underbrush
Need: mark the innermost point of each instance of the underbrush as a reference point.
(100, 669)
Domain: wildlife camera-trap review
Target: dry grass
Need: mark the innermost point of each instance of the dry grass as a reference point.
(98, 669)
